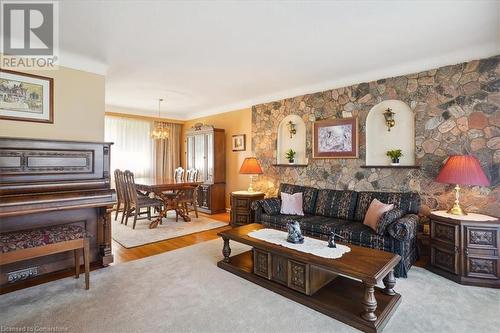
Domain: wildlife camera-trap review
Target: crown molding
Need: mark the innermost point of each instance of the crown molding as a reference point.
(481, 52)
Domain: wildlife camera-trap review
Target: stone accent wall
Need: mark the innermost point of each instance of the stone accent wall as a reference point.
(456, 112)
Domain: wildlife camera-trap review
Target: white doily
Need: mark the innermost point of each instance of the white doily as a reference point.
(311, 245)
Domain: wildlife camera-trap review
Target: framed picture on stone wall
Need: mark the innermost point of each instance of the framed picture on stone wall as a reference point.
(239, 142)
(336, 138)
(26, 97)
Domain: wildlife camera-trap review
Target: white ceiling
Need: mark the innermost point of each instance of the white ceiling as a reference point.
(213, 56)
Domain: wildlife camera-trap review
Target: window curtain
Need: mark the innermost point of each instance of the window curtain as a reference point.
(133, 147)
(167, 153)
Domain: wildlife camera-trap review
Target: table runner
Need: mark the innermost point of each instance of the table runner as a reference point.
(311, 245)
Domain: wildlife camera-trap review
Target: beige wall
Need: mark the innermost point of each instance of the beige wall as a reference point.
(78, 109)
(235, 122)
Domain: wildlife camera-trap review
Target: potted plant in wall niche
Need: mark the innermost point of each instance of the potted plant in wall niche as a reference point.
(394, 155)
(290, 156)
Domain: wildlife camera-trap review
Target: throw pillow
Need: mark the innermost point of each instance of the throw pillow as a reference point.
(291, 204)
(387, 219)
(271, 206)
(374, 213)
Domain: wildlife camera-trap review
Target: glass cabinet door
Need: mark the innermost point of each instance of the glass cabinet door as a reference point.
(190, 152)
(200, 157)
(210, 157)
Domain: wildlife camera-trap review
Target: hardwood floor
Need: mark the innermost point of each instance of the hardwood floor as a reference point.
(122, 254)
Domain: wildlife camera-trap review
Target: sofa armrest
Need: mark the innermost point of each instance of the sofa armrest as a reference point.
(269, 206)
(404, 228)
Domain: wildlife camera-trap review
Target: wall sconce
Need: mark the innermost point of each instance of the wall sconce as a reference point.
(389, 119)
(291, 129)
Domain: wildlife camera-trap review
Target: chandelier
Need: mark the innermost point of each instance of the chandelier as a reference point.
(160, 131)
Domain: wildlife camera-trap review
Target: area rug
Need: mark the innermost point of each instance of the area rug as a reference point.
(184, 291)
(128, 237)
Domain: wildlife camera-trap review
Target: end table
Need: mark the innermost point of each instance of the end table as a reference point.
(465, 248)
(241, 201)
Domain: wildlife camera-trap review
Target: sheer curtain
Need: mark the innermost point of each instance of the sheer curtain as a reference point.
(133, 147)
(167, 153)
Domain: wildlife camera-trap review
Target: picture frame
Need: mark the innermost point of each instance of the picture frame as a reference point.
(238, 142)
(26, 97)
(336, 138)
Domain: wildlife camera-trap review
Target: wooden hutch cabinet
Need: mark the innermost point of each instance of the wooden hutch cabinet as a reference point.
(205, 151)
(465, 249)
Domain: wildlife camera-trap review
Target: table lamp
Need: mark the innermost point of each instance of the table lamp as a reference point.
(461, 170)
(251, 167)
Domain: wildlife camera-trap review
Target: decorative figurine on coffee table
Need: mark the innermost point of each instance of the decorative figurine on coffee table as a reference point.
(331, 239)
(294, 233)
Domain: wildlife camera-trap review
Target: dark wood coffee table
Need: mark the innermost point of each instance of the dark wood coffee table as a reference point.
(344, 288)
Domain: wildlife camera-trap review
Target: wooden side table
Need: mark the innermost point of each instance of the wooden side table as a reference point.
(466, 248)
(241, 201)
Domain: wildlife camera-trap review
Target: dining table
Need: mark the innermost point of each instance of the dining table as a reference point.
(166, 189)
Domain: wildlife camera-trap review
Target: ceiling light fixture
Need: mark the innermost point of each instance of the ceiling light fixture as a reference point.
(160, 131)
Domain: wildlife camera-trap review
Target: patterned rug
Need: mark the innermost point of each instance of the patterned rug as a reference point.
(128, 237)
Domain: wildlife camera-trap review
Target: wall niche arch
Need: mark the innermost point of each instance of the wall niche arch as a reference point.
(297, 142)
(402, 136)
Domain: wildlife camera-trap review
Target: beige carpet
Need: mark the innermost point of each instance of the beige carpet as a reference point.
(128, 237)
(184, 291)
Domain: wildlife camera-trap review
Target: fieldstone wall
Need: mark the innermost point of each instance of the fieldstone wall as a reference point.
(456, 112)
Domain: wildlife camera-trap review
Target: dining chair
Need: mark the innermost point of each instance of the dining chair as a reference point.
(121, 191)
(136, 201)
(192, 175)
(179, 174)
(188, 197)
(120, 196)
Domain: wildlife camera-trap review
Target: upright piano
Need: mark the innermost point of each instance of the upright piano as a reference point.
(48, 182)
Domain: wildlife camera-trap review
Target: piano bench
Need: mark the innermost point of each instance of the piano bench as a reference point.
(29, 244)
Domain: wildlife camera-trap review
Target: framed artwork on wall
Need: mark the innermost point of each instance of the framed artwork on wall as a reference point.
(239, 142)
(335, 138)
(26, 97)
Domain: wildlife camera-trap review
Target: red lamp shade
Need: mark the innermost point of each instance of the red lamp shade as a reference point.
(462, 170)
(251, 166)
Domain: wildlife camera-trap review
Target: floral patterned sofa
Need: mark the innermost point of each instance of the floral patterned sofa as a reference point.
(343, 212)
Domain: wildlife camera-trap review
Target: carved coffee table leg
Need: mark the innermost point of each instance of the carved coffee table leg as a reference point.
(369, 303)
(226, 250)
(389, 283)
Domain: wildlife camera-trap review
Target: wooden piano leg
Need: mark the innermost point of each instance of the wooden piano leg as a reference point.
(77, 263)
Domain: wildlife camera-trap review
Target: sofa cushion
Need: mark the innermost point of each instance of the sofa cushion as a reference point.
(322, 226)
(271, 206)
(409, 202)
(280, 219)
(309, 195)
(375, 212)
(387, 219)
(334, 203)
(292, 204)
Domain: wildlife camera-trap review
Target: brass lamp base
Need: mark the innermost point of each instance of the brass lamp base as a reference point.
(456, 209)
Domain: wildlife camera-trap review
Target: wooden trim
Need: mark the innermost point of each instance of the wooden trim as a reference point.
(51, 98)
(39, 251)
(135, 116)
